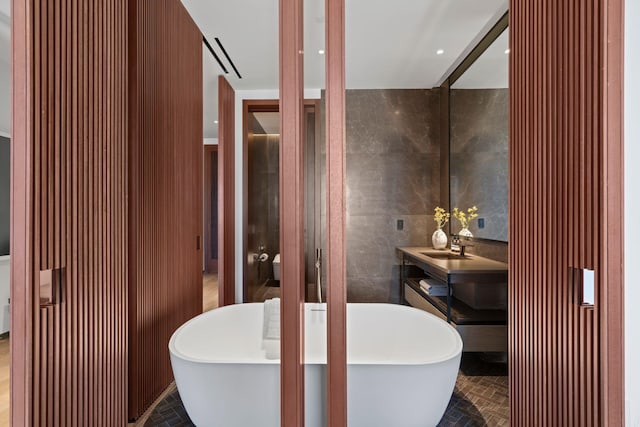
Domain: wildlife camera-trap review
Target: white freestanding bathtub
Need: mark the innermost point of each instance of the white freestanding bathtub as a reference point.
(402, 367)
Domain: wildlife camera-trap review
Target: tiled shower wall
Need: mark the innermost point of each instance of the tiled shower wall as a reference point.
(393, 174)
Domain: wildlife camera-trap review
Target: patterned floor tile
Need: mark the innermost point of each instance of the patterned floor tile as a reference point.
(481, 398)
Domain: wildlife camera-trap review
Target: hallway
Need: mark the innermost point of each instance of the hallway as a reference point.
(209, 291)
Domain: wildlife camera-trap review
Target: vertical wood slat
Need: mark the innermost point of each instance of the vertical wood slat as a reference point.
(611, 203)
(560, 193)
(22, 178)
(336, 215)
(291, 213)
(50, 201)
(226, 193)
(165, 184)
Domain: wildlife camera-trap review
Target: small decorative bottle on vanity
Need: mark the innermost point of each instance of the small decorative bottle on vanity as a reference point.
(465, 219)
(439, 237)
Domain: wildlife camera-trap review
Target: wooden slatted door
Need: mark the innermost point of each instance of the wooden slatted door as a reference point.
(69, 295)
(566, 357)
(165, 187)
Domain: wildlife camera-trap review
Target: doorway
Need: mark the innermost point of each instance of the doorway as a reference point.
(210, 209)
(210, 227)
(261, 216)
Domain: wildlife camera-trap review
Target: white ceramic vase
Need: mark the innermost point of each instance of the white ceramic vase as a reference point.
(439, 239)
(465, 233)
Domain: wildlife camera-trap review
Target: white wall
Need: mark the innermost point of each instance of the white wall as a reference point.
(241, 95)
(5, 98)
(4, 294)
(5, 130)
(632, 207)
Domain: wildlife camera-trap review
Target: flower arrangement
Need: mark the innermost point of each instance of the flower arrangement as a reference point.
(441, 216)
(465, 218)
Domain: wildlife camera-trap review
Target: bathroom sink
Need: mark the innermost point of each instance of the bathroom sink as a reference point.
(445, 256)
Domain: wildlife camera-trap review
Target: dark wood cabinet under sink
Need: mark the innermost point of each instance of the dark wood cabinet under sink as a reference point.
(476, 298)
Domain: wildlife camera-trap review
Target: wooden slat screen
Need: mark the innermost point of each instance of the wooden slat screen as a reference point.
(69, 212)
(165, 209)
(558, 193)
(291, 181)
(336, 215)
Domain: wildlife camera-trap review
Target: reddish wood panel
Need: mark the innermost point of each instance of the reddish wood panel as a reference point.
(612, 204)
(336, 216)
(165, 188)
(226, 193)
(292, 284)
(565, 212)
(69, 357)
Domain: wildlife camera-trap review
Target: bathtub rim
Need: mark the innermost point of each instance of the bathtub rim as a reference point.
(449, 356)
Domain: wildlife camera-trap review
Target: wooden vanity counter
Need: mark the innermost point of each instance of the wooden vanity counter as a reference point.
(456, 264)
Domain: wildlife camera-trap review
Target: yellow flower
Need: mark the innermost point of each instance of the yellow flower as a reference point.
(465, 218)
(441, 216)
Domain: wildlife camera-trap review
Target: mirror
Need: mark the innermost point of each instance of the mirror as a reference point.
(479, 140)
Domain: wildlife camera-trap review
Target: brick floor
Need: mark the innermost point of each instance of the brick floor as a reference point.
(481, 398)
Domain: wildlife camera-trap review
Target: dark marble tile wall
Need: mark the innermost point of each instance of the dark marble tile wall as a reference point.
(393, 173)
(263, 215)
(495, 250)
(479, 158)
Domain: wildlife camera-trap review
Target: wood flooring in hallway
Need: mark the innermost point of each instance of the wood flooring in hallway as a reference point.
(5, 359)
(209, 292)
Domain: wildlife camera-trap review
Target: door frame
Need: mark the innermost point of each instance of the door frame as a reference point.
(22, 295)
(271, 106)
(210, 263)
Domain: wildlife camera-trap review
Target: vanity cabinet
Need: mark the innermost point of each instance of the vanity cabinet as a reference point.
(476, 299)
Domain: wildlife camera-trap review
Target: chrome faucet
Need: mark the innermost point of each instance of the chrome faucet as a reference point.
(459, 243)
(463, 242)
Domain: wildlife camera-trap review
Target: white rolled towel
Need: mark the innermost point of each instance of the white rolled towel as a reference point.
(271, 328)
(424, 284)
(433, 288)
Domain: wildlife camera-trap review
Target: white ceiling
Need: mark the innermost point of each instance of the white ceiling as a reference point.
(490, 70)
(389, 44)
(269, 121)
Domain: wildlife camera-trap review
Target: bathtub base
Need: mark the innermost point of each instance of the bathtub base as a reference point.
(402, 369)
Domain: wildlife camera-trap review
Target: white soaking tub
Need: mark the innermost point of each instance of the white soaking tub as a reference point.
(402, 367)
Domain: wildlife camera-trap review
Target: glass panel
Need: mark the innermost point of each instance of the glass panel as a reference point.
(314, 84)
(398, 54)
(479, 176)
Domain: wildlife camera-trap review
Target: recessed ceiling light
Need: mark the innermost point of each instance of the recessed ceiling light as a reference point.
(215, 121)
(507, 51)
(439, 51)
(321, 52)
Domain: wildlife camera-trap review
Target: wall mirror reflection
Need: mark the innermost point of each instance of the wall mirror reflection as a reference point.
(479, 139)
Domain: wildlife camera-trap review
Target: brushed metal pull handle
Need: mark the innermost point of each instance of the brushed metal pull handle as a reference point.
(584, 283)
(51, 286)
(587, 297)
